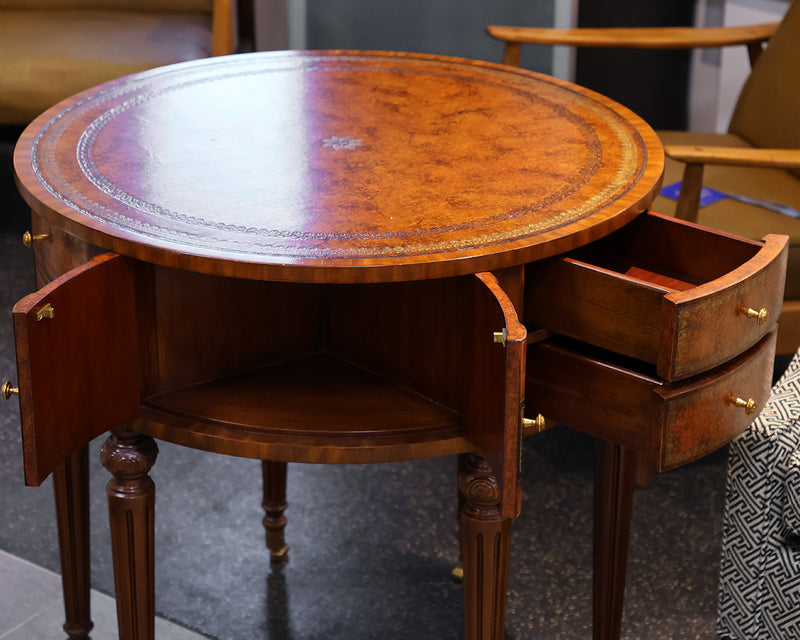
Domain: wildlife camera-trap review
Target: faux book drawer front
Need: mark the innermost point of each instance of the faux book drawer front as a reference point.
(670, 423)
(667, 292)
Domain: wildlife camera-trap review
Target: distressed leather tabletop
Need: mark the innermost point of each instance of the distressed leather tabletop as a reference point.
(339, 166)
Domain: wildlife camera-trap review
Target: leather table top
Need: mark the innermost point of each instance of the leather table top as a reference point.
(338, 166)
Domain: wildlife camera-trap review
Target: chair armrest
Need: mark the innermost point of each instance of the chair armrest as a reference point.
(643, 37)
(639, 38)
(771, 158)
(697, 157)
(224, 28)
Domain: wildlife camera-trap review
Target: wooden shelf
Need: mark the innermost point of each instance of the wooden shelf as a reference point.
(317, 408)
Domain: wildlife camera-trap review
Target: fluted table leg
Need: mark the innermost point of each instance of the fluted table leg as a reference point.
(71, 488)
(485, 538)
(615, 474)
(131, 498)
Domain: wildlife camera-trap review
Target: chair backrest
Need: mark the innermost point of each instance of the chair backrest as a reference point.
(767, 113)
(180, 6)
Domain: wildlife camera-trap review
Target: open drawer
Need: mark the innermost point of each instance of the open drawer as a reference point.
(682, 297)
(623, 401)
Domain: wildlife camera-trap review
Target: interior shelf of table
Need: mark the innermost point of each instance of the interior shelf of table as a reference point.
(320, 397)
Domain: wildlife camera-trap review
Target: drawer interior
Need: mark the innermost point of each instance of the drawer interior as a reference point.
(632, 367)
(673, 256)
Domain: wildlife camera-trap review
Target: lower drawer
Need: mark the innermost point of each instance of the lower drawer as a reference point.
(623, 401)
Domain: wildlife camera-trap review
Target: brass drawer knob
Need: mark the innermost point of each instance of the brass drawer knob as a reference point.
(760, 316)
(28, 238)
(6, 390)
(749, 405)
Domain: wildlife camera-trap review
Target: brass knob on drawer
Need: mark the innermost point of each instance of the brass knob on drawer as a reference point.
(6, 390)
(760, 316)
(748, 405)
(28, 238)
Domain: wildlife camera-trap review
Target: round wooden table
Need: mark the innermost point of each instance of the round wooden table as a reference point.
(317, 257)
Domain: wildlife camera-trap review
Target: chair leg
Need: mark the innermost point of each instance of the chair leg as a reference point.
(71, 488)
(131, 500)
(615, 477)
(274, 505)
(688, 206)
(485, 540)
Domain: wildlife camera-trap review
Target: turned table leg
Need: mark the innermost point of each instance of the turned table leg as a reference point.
(615, 474)
(274, 505)
(71, 488)
(485, 537)
(131, 499)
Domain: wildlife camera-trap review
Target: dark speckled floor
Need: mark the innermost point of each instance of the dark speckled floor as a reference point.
(372, 546)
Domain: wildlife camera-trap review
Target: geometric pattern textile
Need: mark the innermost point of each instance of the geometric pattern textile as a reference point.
(759, 582)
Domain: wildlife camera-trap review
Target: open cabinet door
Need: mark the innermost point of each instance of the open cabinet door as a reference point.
(76, 361)
(494, 370)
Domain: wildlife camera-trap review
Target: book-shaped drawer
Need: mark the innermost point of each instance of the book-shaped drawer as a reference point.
(623, 401)
(677, 295)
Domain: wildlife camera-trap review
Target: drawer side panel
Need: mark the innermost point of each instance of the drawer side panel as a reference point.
(595, 305)
(589, 395)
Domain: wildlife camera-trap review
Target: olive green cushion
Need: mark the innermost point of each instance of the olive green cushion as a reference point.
(46, 56)
(767, 112)
(174, 6)
(735, 217)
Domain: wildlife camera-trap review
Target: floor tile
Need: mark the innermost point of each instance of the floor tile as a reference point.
(25, 591)
(31, 607)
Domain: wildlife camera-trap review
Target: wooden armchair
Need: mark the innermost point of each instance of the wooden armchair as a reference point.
(51, 49)
(758, 158)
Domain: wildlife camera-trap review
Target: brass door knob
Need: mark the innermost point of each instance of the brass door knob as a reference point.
(500, 337)
(748, 405)
(6, 390)
(760, 316)
(28, 238)
(532, 426)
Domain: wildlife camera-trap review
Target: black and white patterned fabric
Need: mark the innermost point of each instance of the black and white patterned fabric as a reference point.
(759, 590)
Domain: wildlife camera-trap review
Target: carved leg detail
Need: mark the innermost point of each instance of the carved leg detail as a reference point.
(615, 475)
(131, 499)
(274, 505)
(485, 537)
(71, 488)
